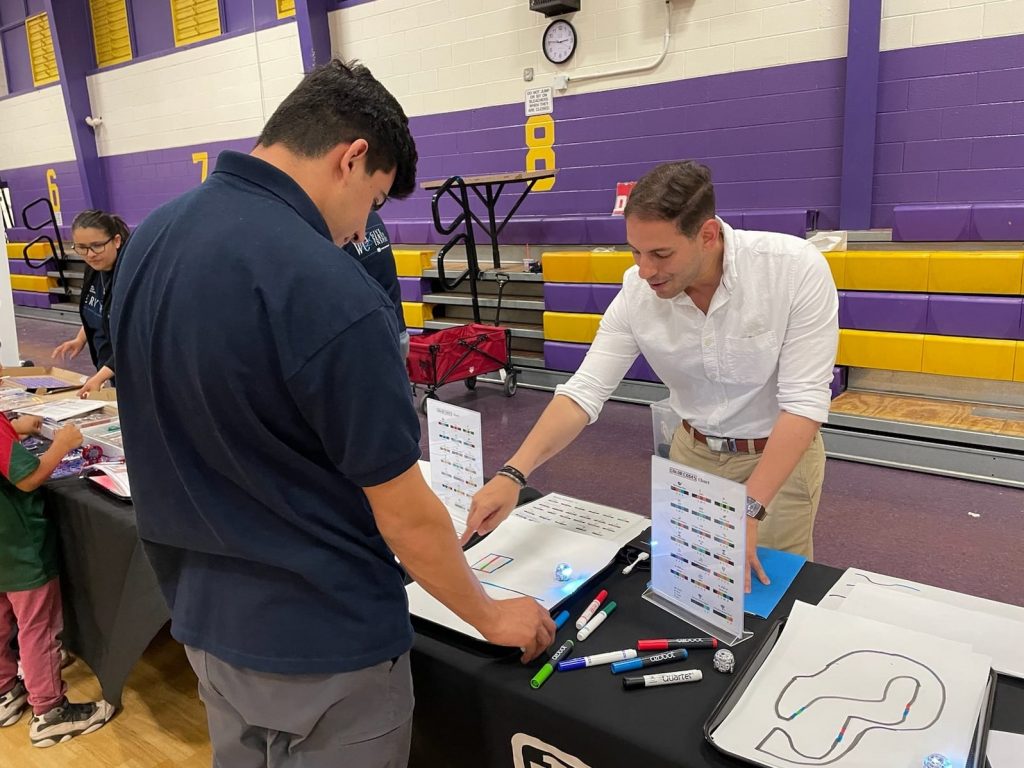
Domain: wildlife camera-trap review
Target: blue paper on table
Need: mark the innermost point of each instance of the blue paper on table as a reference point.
(782, 568)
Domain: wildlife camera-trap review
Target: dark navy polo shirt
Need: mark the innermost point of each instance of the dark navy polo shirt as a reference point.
(260, 386)
(96, 286)
(377, 258)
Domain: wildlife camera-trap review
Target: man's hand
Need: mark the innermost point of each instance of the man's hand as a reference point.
(752, 561)
(27, 425)
(69, 350)
(520, 623)
(491, 505)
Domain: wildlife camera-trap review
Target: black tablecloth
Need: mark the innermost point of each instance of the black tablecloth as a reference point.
(112, 605)
(471, 705)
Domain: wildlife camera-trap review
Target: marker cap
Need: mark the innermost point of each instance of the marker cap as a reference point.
(560, 619)
(631, 683)
(578, 663)
(627, 666)
(541, 676)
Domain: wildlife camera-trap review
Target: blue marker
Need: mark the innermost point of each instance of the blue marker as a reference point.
(667, 657)
(560, 619)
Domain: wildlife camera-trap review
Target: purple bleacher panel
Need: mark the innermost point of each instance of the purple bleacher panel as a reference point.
(997, 221)
(606, 230)
(415, 331)
(932, 223)
(986, 317)
(877, 311)
(838, 385)
(34, 299)
(788, 221)
(640, 370)
(734, 219)
(413, 288)
(563, 356)
(579, 297)
(19, 267)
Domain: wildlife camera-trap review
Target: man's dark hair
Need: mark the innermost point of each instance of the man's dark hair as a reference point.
(681, 192)
(338, 103)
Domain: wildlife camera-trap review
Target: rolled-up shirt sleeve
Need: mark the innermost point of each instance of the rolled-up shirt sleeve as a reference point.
(614, 350)
(812, 336)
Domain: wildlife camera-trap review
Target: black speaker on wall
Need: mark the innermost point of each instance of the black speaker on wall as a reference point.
(554, 7)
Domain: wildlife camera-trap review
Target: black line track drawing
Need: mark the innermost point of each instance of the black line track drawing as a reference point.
(865, 664)
(888, 585)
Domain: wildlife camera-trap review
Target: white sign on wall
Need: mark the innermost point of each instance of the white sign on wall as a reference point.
(540, 101)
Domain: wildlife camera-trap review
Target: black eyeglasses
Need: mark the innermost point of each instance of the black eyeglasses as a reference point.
(377, 206)
(97, 248)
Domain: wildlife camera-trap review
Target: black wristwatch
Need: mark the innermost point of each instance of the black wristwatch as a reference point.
(756, 509)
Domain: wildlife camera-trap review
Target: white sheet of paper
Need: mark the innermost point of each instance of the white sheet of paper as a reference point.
(585, 517)
(699, 543)
(58, 410)
(857, 693)
(519, 559)
(456, 457)
(1005, 750)
(995, 636)
(854, 576)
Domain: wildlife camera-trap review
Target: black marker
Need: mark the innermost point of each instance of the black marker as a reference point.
(665, 678)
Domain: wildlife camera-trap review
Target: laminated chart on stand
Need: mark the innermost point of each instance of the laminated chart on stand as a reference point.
(456, 458)
(519, 559)
(698, 548)
(854, 693)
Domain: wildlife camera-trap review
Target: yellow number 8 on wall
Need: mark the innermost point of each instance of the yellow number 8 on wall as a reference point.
(540, 140)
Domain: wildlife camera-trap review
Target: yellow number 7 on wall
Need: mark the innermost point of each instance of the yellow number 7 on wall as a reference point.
(540, 141)
(203, 158)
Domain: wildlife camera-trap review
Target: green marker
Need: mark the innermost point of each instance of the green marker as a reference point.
(549, 667)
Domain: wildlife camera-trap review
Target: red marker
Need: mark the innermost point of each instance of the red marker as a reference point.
(671, 644)
(588, 614)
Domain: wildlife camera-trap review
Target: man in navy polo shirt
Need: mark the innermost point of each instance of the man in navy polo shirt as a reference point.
(273, 443)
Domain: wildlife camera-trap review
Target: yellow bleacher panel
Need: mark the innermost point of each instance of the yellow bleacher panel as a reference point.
(416, 312)
(609, 267)
(997, 272)
(976, 358)
(412, 263)
(886, 271)
(571, 326)
(880, 349)
(1018, 364)
(37, 251)
(837, 263)
(32, 283)
(566, 266)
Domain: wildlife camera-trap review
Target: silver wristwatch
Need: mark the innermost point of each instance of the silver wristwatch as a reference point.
(756, 509)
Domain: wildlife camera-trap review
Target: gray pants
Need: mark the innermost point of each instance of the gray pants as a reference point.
(361, 719)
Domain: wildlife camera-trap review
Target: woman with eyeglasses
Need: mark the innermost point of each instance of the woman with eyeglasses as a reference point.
(98, 238)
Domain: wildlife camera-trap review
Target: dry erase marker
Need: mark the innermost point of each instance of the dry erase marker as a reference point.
(691, 643)
(591, 609)
(560, 619)
(596, 622)
(666, 657)
(665, 678)
(596, 661)
(549, 666)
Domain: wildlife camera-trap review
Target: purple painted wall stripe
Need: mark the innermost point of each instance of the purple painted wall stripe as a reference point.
(314, 32)
(862, 61)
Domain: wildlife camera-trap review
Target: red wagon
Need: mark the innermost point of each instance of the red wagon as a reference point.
(460, 354)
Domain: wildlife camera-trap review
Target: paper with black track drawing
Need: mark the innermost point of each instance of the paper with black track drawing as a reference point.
(846, 691)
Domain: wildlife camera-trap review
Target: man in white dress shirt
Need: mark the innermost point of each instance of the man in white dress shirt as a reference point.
(742, 328)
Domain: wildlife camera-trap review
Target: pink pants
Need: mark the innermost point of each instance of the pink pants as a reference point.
(36, 614)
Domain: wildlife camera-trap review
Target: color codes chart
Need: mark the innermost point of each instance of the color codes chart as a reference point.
(456, 457)
(698, 543)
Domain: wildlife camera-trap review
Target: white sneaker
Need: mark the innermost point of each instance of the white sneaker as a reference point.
(13, 704)
(67, 720)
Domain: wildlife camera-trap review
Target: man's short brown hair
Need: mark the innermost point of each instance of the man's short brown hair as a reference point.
(681, 192)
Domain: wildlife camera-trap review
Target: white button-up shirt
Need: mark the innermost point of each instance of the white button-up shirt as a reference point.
(767, 344)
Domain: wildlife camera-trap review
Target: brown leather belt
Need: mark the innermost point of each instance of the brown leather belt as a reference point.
(727, 444)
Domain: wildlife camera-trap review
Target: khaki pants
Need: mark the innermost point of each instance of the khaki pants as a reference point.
(789, 525)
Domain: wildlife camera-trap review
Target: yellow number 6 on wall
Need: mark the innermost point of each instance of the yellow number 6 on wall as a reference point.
(540, 140)
(51, 189)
